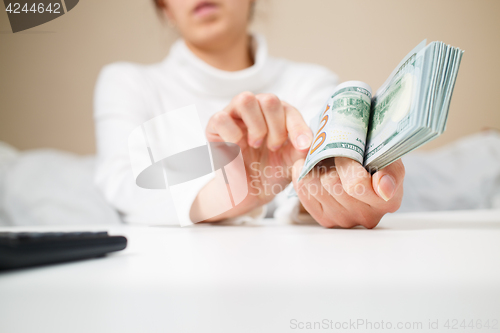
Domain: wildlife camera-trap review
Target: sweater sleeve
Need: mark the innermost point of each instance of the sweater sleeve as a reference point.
(121, 105)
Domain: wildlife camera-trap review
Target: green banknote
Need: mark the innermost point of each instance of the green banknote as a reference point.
(342, 126)
(409, 110)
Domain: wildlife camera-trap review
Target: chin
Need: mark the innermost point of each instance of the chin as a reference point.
(213, 34)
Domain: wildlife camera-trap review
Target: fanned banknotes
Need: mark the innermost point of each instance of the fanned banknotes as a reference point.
(409, 110)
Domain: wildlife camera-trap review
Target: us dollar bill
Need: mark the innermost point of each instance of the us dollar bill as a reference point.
(342, 126)
(395, 106)
(409, 110)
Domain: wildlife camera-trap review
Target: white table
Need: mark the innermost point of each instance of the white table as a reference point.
(413, 268)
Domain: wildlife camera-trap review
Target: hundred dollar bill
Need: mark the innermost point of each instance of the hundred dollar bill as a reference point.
(342, 126)
(409, 110)
(395, 106)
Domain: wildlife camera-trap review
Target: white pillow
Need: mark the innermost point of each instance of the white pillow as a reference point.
(8, 154)
(50, 187)
(462, 175)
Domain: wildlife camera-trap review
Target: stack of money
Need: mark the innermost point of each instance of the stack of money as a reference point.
(409, 110)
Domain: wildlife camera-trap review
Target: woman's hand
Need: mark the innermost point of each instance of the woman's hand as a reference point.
(272, 135)
(341, 193)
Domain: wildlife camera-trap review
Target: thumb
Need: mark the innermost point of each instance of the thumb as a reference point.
(387, 181)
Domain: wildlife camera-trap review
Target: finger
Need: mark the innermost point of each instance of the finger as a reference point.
(330, 180)
(299, 133)
(388, 183)
(274, 115)
(222, 127)
(246, 107)
(291, 155)
(358, 211)
(319, 203)
(356, 181)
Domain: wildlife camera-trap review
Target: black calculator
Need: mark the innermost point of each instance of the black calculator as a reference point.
(25, 249)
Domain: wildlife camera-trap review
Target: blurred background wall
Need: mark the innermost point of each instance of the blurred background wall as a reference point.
(48, 73)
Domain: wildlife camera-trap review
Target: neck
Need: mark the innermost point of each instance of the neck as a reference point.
(234, 56)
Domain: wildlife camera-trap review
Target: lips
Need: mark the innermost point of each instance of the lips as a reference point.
(205, 8)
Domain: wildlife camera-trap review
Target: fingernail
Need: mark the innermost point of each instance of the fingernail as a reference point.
(303, 141)
(257, 143)
(386, 187)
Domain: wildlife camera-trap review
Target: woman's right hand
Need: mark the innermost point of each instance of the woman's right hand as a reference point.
(272, 135)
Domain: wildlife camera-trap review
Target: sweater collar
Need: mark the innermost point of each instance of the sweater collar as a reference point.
(210, 81)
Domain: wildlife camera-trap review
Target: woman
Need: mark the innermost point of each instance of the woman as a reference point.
(261, 103)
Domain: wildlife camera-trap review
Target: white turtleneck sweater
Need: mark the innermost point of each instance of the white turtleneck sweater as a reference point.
(127, 95)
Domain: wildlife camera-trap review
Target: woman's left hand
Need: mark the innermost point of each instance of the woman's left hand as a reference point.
(341, 193)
